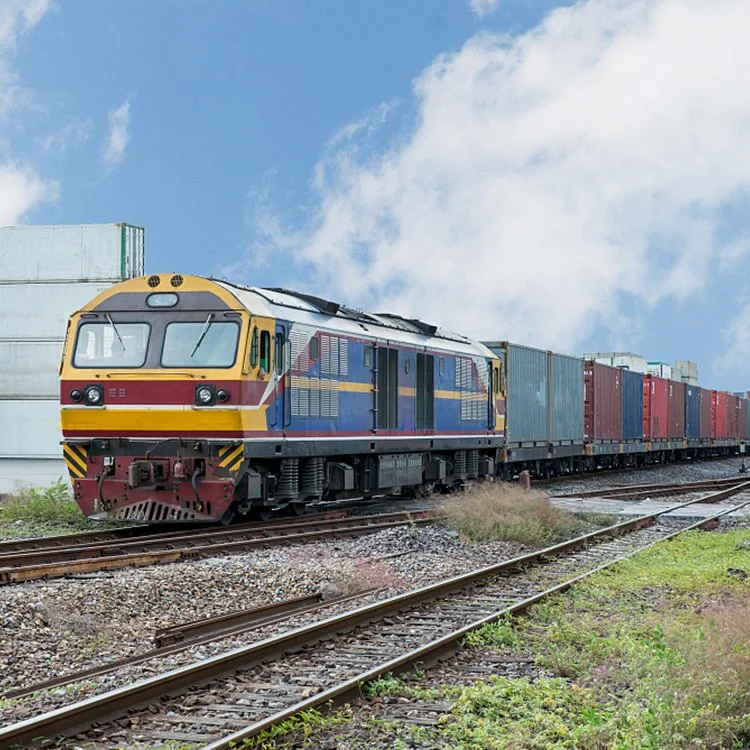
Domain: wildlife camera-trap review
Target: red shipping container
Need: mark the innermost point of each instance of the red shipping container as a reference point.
(676, 413)
(742, 419)
(602, 402)
(706, 411)
(733, 413)
(718, 415)
(655, 407)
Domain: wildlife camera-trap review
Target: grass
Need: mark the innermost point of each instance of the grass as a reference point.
(43, 510)
(651, 654)
(505, 511)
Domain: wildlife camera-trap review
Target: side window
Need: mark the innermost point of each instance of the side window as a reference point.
(254, 348)
(265, 351)
(368, 355)
(279, 352)
(314, 348)
(497, 379)
(441, 367)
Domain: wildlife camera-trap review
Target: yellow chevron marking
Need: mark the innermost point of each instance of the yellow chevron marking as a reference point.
(230, 457)
(75, 458)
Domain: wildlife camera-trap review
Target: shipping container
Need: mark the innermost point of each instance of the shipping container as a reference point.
(623, 360)
(733, 413)
(40, 311)
(566, 385)
(676, 414)
(719, 415)
(655, 407)
(544, 395)
(602, 402)
(29, 369)
(659, 369)
(48, 273)
(632, 405)
(742, 419)
(706, 413)
(527, 411)
(79, 252)
(17, 440)
(693, 412)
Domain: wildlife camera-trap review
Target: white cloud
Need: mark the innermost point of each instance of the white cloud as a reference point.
(73, 133)
(482, 7)
(733, 362)
(548, 177)
(17, 17)
(119, 134)
(21, 189)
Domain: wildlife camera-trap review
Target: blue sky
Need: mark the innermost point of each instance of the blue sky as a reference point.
(572, 176)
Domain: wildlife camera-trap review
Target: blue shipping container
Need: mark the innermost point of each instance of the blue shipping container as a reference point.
(632, 405)
(527, 409)
(693, 412)
(566, 385)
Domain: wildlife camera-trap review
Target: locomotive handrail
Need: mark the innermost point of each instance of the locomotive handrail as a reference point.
(138, 375)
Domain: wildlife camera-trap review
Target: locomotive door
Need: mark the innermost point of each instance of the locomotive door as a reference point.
(281, 376)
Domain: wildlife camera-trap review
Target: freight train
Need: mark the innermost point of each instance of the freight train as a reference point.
(189, 399)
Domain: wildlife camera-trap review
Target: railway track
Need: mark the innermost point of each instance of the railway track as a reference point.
(227, 698)
(56, 561)
(635, 491)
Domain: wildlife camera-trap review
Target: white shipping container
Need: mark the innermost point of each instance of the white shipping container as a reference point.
(37, 311)
(29, 369)
(625, 360)
(686, 370)
(660, 369)
(81, 252)
(17, 473)
(30, 429)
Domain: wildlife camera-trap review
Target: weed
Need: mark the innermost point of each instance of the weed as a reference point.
(496, 634)
(365, 574)
(505, 511)
(53, 505)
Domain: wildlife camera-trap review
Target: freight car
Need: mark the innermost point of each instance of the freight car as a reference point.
(190, 399)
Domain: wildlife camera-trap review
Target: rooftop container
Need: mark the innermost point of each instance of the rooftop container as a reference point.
(693, 412)
(602, 402)
(632, 405)
(655, 407)
(676, 415)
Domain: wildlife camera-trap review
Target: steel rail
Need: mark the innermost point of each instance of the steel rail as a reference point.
(431, 653)
(642, 494)
(350, 526)
(96, 709)
(702, 484)
(161, 651)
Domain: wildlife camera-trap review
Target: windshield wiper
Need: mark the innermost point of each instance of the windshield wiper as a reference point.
(117, 333)
(206, 326)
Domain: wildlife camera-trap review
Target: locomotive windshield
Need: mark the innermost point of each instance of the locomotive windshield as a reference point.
(202, 344)
(111, 345)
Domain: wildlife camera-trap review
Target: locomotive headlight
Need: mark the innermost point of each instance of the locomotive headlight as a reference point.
(94, 395)
(222, 395)
(76, 394)
(205, 395)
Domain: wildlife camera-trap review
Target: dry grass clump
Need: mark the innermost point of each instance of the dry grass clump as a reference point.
(364, 575)
(508, 512)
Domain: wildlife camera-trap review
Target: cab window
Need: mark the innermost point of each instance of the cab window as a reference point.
(254, 348)
(111, 344)
(279, 352)
(265, 351)
(200, 344)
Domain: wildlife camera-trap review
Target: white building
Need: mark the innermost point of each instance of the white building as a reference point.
(46, 273)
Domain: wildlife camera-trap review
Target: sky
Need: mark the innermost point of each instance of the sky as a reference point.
(572, 176)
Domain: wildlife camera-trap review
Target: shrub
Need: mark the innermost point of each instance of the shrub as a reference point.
(505, 511)
(52, 505)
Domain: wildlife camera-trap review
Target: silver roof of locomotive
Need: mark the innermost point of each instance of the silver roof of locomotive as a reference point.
(298, 307)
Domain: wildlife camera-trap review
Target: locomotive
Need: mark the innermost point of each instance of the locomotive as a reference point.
(191, 399)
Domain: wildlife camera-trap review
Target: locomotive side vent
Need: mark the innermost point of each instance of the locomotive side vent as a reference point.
(153, 281)
(176, 280)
